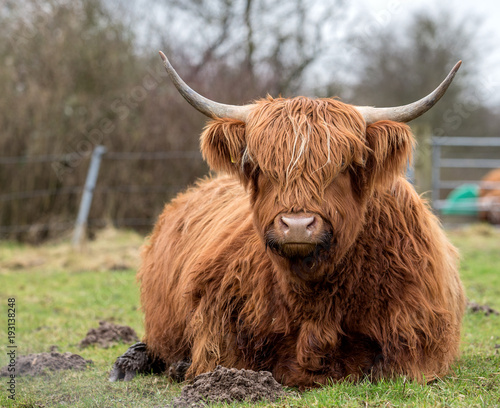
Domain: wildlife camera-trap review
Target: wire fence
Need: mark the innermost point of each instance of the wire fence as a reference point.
(135, 187)
(466, 178)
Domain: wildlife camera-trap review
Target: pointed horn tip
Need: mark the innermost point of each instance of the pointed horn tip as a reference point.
(163, 56)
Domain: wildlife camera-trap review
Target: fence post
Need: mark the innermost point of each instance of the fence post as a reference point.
(436, 171)
(88, 191)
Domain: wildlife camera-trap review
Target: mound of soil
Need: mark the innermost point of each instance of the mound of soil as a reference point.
(108, 334)
(477, 308)
(41, 363)
(228, 385)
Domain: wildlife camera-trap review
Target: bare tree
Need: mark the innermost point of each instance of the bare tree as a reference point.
(261, 45)
(398, 65)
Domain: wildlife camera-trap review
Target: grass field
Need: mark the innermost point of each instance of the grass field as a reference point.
(60, 294)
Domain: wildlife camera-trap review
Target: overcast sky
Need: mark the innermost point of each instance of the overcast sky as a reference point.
(487, 10)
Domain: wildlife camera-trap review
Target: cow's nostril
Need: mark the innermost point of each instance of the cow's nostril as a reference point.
(312, 225)
(283, 224)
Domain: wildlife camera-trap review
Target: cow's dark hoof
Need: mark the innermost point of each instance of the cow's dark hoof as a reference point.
(177, 371)
(135, 360)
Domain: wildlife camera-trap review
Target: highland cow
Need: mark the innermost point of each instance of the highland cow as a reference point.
(311, 256)
(489, 197)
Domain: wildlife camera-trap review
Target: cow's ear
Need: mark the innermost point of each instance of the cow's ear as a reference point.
(223, 143)
(391, 145)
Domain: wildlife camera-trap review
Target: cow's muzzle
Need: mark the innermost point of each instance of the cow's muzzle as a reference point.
(298, 235)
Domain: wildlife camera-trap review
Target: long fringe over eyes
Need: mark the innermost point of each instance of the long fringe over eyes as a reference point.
(305, 140)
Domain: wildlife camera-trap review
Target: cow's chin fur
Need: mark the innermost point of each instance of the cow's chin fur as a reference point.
(302, 259)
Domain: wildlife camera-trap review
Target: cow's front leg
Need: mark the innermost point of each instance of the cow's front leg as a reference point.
(415, 363)
(134, 361)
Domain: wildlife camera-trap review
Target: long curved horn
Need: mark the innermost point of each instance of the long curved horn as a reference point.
(206, 106)
(411, 111)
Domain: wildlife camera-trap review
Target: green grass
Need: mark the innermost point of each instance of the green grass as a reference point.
(60, 294)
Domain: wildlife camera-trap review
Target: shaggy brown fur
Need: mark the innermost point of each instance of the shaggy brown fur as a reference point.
(489, 197)
(383, 299)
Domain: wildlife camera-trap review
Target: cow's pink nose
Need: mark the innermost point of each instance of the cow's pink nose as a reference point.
(298, 228)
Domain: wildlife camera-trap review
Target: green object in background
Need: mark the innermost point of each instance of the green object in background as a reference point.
(462, 200)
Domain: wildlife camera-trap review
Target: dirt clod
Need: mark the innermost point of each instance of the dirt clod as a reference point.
(108, 334)
(477, 308)
(228, 385)
(41, 363)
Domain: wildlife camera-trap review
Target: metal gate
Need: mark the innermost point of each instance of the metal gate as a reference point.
(459, 161)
